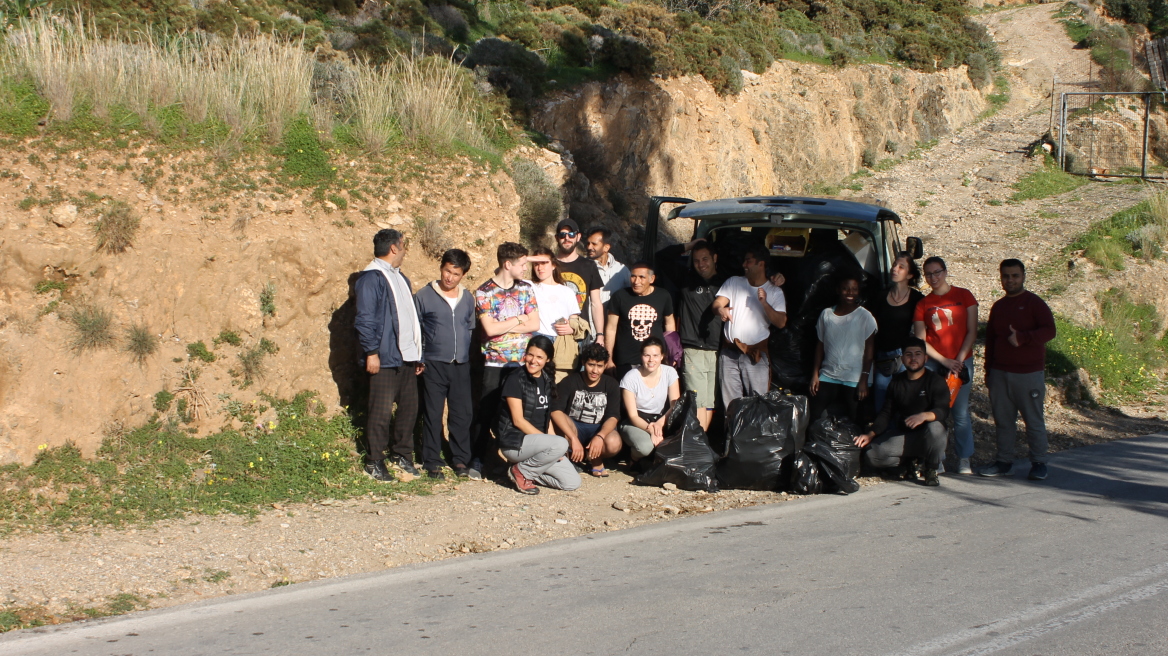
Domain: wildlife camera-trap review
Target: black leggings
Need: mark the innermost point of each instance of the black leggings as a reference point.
(836, 400)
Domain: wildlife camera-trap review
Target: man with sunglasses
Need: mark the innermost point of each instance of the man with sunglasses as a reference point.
(581, 274)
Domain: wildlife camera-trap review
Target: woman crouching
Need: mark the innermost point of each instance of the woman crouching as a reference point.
(537, 456)
(648, 391)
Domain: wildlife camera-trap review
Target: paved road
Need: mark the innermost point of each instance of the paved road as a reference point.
(1075, 565)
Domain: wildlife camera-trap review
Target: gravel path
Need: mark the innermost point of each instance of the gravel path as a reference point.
(180, 561)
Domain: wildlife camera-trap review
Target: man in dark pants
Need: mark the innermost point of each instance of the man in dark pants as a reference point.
(446, 311)
(1020, 325)
(391, 341)
(911, 424)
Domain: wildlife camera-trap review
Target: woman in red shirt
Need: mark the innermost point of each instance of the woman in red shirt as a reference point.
(947, 320)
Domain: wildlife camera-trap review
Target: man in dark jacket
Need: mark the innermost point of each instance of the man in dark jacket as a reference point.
(1020, 325)
(912, 422)
(391, 346)
(698, 326)
(446, 311)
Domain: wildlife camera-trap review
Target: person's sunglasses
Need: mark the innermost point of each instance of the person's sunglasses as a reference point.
(566, 234)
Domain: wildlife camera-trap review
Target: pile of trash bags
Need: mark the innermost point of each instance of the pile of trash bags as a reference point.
(770, 445)
(684, 457)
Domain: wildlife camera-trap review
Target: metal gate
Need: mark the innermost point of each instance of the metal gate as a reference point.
(1102, 133)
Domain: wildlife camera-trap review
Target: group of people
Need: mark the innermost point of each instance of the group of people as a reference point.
(582, 358)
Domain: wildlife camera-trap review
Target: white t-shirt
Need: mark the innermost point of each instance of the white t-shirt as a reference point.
(748, 322)
(843, 343)
(554, 302)
(650, 400)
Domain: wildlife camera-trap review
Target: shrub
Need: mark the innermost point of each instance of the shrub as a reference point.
(162, 400)
(305, 162)
(116, 228)
(93, 328)
(540, 203)
(227, 337)
(431, 236)
(869, 158)
(198, 351)
(251, 361)
(268, 300)
(46, 286)
(140, 342)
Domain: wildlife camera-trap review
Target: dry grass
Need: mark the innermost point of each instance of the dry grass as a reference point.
(93, 328)
(250, 86)
(116, 228)
(141, 343)
(431, 236)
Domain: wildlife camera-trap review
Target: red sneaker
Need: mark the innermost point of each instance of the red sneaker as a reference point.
(521, 483)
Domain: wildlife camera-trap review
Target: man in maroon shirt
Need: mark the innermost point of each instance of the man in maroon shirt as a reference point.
(1020, 325)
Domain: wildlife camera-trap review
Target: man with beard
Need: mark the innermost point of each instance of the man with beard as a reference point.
(911, 424)
(581, 274)
(634, 315)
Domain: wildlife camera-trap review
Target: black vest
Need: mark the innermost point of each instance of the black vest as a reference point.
(510, 437)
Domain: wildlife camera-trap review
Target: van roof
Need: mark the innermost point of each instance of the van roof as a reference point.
(733, 208)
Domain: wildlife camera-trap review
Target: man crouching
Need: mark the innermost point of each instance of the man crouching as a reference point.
(918, 399)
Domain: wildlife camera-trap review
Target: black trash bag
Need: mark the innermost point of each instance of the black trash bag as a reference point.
(805, 476)
(684, 458)
(839, 435)
(790, 368)
(761, 431)
(833, 465)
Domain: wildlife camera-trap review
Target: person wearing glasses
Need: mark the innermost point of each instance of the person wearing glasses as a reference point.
(391, 353)
(581, 274)
(947, 320)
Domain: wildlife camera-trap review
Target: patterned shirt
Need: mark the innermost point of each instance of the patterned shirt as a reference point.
(501, 304)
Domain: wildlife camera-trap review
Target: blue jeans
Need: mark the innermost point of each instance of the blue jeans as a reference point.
(962, 424)
(585, 432)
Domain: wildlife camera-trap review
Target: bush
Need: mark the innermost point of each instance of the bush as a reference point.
(198, 351)
(93, 328)
(268, 300)
(251, 361)
(1109, 242)
(141, 343)
(540, 204)
(162, 401)
(116, 228)
(305, 162)
(431, 236)
(227, 337)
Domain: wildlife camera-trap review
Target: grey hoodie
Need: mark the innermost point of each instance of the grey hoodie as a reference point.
(446, 332)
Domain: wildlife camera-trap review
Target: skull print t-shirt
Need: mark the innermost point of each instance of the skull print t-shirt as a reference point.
(639, 317)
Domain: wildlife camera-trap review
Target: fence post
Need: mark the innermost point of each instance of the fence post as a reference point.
(1144, 153)
(1063, 132)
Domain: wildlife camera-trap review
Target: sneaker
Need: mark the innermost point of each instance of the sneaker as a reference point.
(999, 468)
(475, 471)
(521, 483)
(1037, 471)
(910, 471)
(941, 467)
(963, 466)
(405, 465)
(931, 478)
(435, 474)
(461, 471)
(378, 472)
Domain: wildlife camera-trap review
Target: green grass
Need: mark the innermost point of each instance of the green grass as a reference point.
(141, 343)
(228, 337)
(1109, 242)
(268, 300)
(1123, 352)
(159, 471)
(999, 98)
(1046, 182)
(92, 328)
(198, 351)
(116, 228)
(46, 286)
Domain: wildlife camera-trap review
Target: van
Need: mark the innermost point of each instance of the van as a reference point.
(810, 241)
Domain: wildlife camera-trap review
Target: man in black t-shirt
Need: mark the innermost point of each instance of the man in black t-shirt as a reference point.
(634, 315)
(699, 327)
(579, 273)
(912, 422)
(586, 411)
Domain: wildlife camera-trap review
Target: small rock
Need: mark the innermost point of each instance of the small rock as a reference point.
(64, 215)
(621, 505)
(329, 205)
(561, 521)
(672, 510)
(380, 512)
(670, 486)
(284, 525)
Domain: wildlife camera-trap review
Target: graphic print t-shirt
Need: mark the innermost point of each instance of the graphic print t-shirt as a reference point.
(639, 317)
(493, 301)
(945, 318)
(588, 405)
(582, 276)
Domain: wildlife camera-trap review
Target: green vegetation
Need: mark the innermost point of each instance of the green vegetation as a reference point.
(1122, 352)
(999, 98)
(431, 236)
(305, 161)
(116, 228)
(1139, 231)
(268, 300)
(1048, 181)
(24, 617)
(162, 400)
(198, 351)
(159, 471)
(141, 343)
(1112, 44)
(541, 204)
(227, 337)
(251, 361)
(92, 328)
(46, 286)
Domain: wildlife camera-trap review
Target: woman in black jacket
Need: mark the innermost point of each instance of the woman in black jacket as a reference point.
(536, 455)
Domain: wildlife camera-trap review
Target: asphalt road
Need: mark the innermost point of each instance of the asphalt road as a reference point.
(1075, 565)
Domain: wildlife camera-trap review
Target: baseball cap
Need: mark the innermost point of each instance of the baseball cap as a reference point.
(569, 224)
